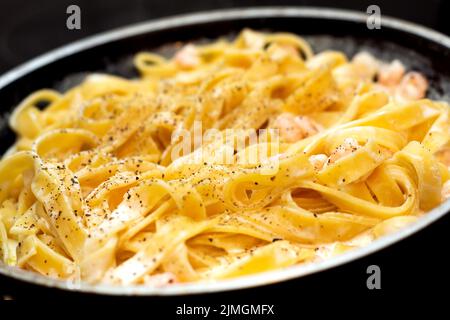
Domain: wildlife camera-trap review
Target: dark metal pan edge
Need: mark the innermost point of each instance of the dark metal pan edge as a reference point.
(190, 19)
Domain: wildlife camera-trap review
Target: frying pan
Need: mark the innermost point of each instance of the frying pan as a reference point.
(419, 48)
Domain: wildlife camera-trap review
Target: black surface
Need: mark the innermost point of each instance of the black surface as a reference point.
(31, 27)
(416, 268)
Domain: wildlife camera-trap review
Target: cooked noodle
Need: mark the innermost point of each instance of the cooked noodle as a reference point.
(107, 185)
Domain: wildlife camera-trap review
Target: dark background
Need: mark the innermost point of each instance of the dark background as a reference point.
(415, 271)
(31, 27)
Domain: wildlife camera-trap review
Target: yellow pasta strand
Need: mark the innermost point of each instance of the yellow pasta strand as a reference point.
(228, 159)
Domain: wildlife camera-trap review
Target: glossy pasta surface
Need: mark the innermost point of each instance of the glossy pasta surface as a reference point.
(228, 159)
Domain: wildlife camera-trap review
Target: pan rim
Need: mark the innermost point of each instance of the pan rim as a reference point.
(266, 278)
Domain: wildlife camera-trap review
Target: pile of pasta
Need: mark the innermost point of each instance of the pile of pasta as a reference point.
(90, 192)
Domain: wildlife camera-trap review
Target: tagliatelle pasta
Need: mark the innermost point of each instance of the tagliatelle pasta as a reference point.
(228, 159)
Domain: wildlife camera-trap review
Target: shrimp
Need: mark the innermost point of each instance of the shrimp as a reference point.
(318, 161)
(187, 57)
(347, 147)
(160, 280)
(406, 87)
(366, 64)
(293, 128)
(391, 74)
(413, 86)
